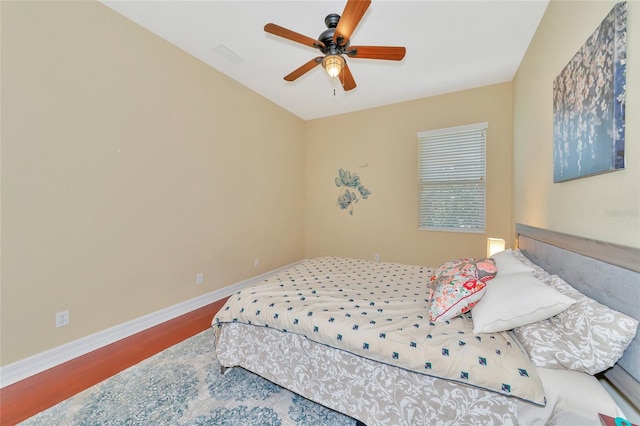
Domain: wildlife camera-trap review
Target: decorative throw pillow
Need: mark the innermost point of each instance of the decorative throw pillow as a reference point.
(515, 300)
(459, 288)
(483, 269)
(447, 266)
(588, 336)
(507, 263)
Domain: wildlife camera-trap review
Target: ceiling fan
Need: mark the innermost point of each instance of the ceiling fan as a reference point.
(334, 43)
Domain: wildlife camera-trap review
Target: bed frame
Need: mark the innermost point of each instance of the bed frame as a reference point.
(608, 273)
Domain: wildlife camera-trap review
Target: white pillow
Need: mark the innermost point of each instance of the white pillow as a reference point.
(573, 398)
(507, 263)
(515, 300)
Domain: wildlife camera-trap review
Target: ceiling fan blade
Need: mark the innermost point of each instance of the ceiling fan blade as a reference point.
(308, 66)
(390, 53)
(346, 78)
(292, 35)
(353, 12)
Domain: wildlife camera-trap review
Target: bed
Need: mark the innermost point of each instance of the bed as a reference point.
(384, 366)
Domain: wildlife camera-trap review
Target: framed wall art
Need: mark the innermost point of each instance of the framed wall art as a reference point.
(589, 103)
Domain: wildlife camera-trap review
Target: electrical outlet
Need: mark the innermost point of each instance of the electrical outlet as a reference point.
(256, 262)
(376, 257)
(199, 278)
(62, 318)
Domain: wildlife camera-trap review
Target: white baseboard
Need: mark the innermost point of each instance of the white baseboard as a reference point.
(19, 370)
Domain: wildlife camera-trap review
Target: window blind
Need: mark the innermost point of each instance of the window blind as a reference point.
(451, 179)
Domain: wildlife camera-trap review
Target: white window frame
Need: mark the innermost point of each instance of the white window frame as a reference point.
(452, 179)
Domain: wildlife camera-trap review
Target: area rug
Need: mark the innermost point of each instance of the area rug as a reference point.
(183, 385)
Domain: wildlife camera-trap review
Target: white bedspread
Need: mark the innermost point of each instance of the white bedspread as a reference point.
(380, 311)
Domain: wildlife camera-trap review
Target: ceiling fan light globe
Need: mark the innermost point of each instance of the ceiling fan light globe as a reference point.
(333, 64)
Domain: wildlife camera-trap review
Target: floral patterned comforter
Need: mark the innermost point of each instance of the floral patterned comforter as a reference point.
(380, 311)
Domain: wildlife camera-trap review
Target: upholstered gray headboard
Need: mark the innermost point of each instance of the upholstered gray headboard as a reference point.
(607, 273)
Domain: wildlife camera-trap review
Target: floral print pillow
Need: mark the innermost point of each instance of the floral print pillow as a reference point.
(588, 336)
(458, 288)
(448, 266)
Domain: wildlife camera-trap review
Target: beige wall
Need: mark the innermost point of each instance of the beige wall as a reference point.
(380, 146)
(128, 167)
(605, 207)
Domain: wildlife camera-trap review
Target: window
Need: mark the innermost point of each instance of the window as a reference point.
(451, 179)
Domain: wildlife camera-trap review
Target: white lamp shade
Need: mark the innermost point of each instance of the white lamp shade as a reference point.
(494, 245)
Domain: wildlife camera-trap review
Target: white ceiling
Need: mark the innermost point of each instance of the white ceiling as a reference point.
(451, 45)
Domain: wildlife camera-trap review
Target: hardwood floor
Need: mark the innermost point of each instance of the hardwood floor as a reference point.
(32, 395)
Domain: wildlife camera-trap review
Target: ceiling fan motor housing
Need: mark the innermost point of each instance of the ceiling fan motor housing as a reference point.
(330, 46)
(331, 21)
